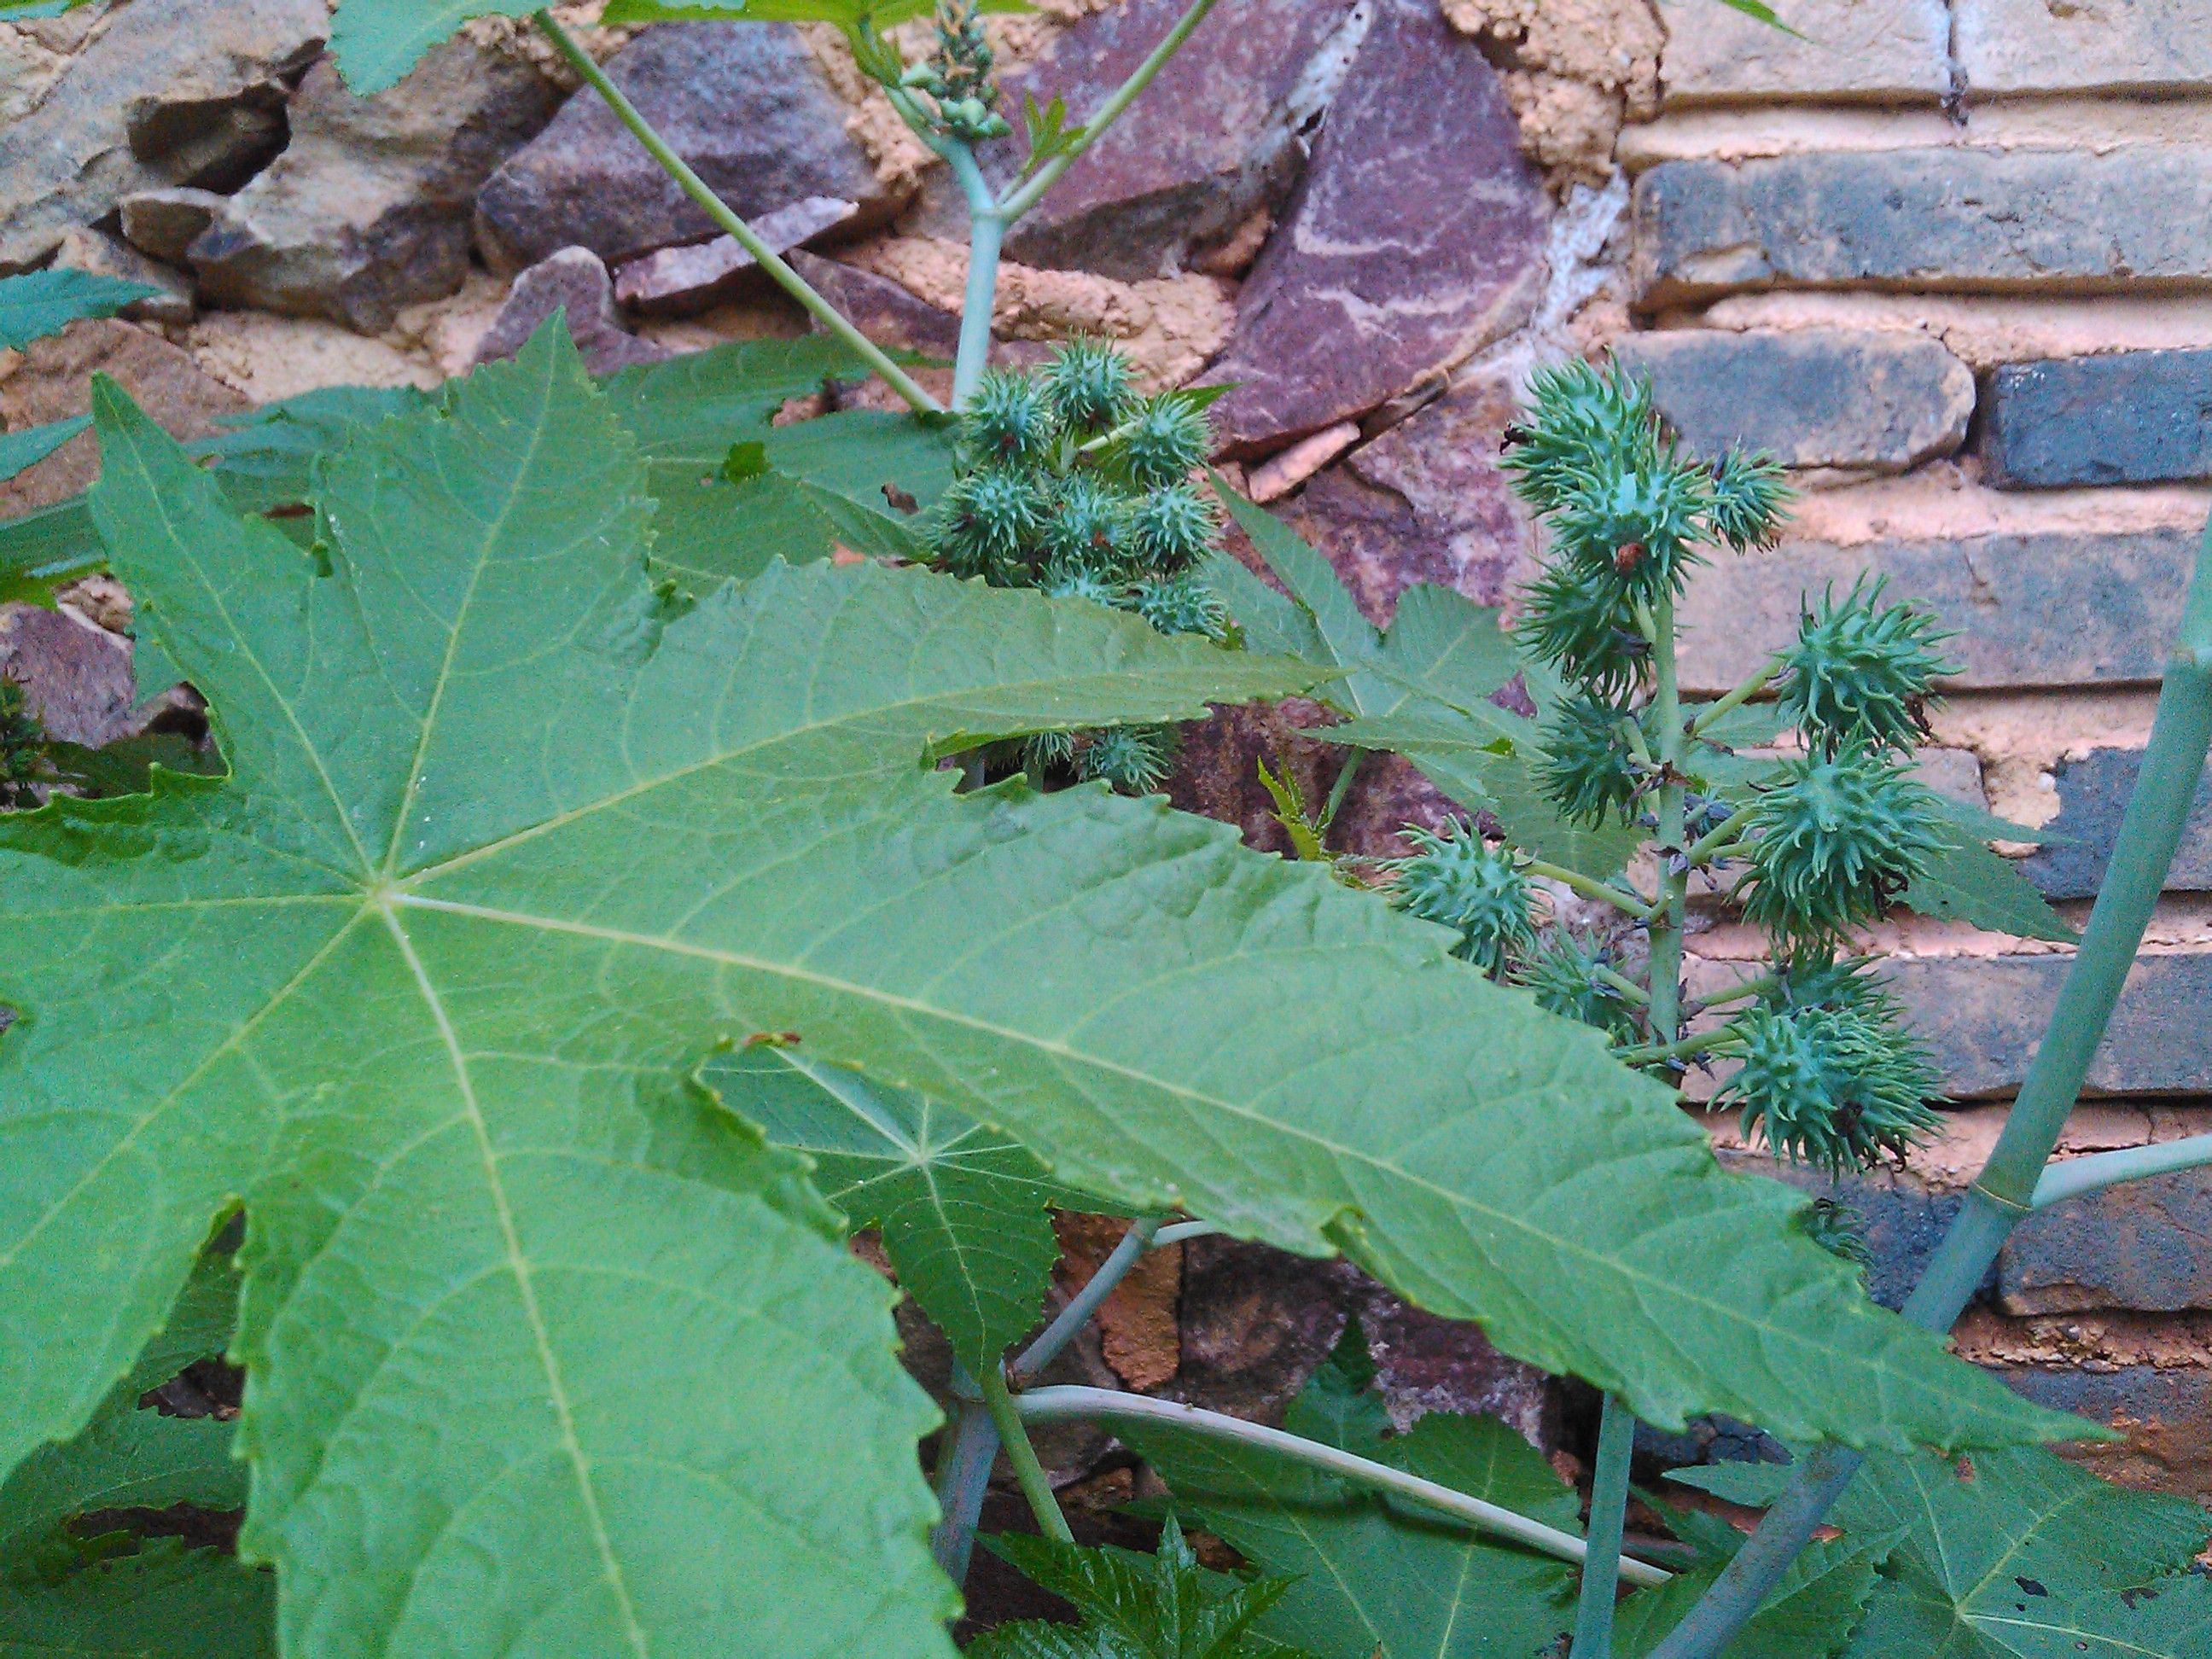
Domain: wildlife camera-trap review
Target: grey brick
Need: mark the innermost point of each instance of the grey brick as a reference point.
(1984, 1017)
(2164, 1413)
(2145, 1245)
(1822, 396)
(2119, 596)
(1960, 220)
(2133, 418)
(2093, 793)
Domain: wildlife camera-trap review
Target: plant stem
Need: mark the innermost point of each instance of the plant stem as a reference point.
(1085, 1302)
(1651, 1054)
(1702, 851)
(1026, 196)
(1616, 1441)
(964, 1476)
(778, 270)
(1340, 788)
(1183, 1230)
(1743, 990)
(2150, 833)
(1589, 887)
(986, 234)
(1109, 1406)
(1028, 1473)
(2078, 1176)
(1735, 700)
(1627, 986)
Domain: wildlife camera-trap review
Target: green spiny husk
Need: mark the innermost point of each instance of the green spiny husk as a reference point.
(1862, 672)
(1454, 878)
(1835, 843)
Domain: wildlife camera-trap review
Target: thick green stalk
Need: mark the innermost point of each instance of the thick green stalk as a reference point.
(2078, 1176)
(963, 1478)
(1028, 1473)
(1616, 1439)
(987, 235)
(1109, 1406)
(2150, 833)
(1026, 196)
(779, 271)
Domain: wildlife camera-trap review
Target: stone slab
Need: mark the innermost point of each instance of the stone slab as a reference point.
(175, 299)
(1218, 136)
(1862, 50)
(573, 283)
(1416, 239)
(748, 107)
(1963, 221)
(2083, 46)
(2164, 1413)
(1872, 399)
(2092, 794)
(2145, 1245)
(678, 282)
(1983, 1016)
(2131, 417)
(2118, 595)
(75, 676)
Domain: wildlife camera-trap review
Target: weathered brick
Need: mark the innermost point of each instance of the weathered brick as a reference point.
(2034, 45)
(2145, 1245)
(1878, 51)
(2093, 793)
(1959, 220)
(2132, 418)
(2120, 595)
(2166, 1414)
(1983, 1016)
(1819, 397)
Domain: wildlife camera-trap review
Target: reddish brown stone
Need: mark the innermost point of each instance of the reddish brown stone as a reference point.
(575, 283)
(896, 317)
(1137, 1323)
(678, 280)
(75, 676)
(1417, 239)
(1218, 135)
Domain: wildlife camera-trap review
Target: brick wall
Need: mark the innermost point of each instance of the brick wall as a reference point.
(1954, 266)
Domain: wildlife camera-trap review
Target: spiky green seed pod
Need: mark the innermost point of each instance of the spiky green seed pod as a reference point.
(1836, 1228)
(1088, 529)
(1592, 640)
(23, 759)
(1173, 526)
(1583, 423)
(1561, 971)
(1163, 442)
(1588, 767)
(1131, 760)
(1065, 584)
(986, 524)
(1839, 1089)
(1009, 421)
(1817, 979)
(1835, 842)
(1747, 500)
(1635, 528)
(1048, 752)
(1862, 670)
(1452, 877)
(1180, 605)
(1091, 386)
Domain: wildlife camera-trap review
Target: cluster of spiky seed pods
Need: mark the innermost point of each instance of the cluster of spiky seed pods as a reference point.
(1076, 483)
(957, 77)
(1820, 845)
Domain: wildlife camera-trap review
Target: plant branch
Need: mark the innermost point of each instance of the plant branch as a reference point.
(1026, 196)
(1109, 1406)
(1616, 1441)
(2078, 1175)
(1589, 887)
(964, 1476)
(1028, 1473)
(1627, 986)
(2150, 833)
(1085, 1302)
(1742, 991)
(987, 235)
(1704, 850)
(1183, 1230)
(1650, 1054)
(1712, 715)
(720, 212)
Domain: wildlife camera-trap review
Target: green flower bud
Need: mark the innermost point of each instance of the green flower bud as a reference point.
(1633, 529)
(1453, 879)
(1562, 973)
(1091, 386)
(1009, 421)
(1861, 671)
(1836, 841)
(1747, 500)
(1063, 583)
(1837, 1088)
(1163, 442)
(1181, 604)
(1048, 752)
(1173, 526)
(1836, 1228)
(985, 523)
(1132, 760)
(1587, 765)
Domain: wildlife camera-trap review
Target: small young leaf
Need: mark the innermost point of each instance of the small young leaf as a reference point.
(31, 446)
(44, 302)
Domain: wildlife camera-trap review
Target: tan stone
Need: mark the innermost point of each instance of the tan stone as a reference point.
(1576, 70)
(2095, 126)
(1280, 474)
(2083, 46)
(267, 357)
(1137, 1325)
(1876, 51)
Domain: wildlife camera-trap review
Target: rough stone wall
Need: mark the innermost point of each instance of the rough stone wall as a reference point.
(1950, 263)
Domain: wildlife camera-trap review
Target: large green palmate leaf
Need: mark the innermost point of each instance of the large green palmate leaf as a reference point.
(964, 1211)
(164, 1602)
(504, 856)
(1422, 689)
(1372, 1573)
(1810, 1614)
(44, 302)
